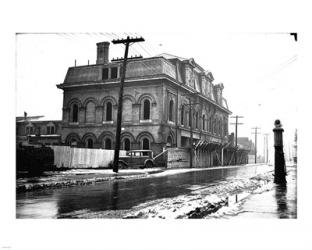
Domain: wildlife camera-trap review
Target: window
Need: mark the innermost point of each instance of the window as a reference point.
(89, 143)
(171, 110)
(204, 120)
(146, 110)
(127, 144)
(73, 143)
(105, 74)
(196, 120)
(75, 113)
(38, 131)
(29, 130)
(108, 143)
(169, 141)
(145, 144)
(182, 115)
(109, 111)
(114, 72)
(90, 112)
(188, 118)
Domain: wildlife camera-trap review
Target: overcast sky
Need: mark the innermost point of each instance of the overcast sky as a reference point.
(258, 71)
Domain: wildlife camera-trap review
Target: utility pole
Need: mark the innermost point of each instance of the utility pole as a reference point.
(191, 129)
(266, 148)
(236, 123)
(126, 42)
(256, 133)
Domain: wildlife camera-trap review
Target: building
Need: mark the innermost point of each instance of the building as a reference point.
(246, 143)
(35, 130)
(161, 95)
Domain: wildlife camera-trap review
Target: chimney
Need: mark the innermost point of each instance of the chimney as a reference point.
(102, 53)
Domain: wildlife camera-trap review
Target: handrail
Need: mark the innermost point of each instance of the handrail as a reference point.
(160, 154)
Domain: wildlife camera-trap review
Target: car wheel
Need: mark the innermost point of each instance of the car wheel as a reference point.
(149, 164)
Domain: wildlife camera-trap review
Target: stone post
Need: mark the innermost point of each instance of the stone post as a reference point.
(279, 162)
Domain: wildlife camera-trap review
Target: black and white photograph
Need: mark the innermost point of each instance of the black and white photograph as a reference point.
(141, 126)
(146, 125)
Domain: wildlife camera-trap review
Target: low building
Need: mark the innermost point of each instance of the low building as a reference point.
(163, 96)
(35, 130)
(248, 144)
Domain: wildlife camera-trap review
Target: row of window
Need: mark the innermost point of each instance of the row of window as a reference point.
(108, 143)
(30, 130)
(108, 111)
(208, 124)
(113, 73)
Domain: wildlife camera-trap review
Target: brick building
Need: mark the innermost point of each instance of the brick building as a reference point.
(157, 94)
(35, 130)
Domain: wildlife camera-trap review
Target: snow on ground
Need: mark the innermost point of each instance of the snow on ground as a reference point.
(204, 201)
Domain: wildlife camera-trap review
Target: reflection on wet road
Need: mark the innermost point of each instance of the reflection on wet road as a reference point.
(122, 194)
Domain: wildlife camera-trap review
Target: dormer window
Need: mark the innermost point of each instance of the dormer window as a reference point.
(114, 73)
(105, 74)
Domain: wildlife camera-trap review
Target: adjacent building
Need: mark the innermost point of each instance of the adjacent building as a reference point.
(36, 130)
(167, 100)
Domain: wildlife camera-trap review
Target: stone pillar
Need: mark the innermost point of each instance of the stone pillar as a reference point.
(279, 161)
(66, 113)
(98, 114)
(82, 115)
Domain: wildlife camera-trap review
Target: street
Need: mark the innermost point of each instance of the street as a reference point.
(116, 197)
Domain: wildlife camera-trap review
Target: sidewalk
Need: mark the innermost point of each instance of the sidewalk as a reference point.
(279, 202)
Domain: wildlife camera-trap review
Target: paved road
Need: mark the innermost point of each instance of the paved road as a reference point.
(123, 194)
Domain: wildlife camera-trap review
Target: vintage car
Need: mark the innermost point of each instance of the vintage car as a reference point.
(137, 158)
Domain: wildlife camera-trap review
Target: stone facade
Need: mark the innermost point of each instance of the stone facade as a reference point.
(156, 104)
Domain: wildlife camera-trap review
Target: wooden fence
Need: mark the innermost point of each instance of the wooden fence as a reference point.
(68, 157)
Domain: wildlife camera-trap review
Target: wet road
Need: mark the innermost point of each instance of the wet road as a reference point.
(122, 194)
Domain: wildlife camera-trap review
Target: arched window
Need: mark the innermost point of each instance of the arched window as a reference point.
(146, 110)
(182, 115)
(109, 112)
(188, 118)
(169, 141)
(89, 143)
(127, 144)
(171, 110)
(204, 120)
(196, 120)
(73, 143)
(108, 143)
(50, 130)
(145, 144)
(75, 113)
(90, 112)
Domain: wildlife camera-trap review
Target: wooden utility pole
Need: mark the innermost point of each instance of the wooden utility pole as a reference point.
(236, 123)
(191, 128)
(256, 133)
(266, 148)
(126, 42)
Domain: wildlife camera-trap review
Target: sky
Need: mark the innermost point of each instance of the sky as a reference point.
(258, 71)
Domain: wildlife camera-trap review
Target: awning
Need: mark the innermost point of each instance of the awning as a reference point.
(204, 144)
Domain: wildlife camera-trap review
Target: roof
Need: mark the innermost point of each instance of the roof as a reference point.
(28, 118)
(170, 56)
